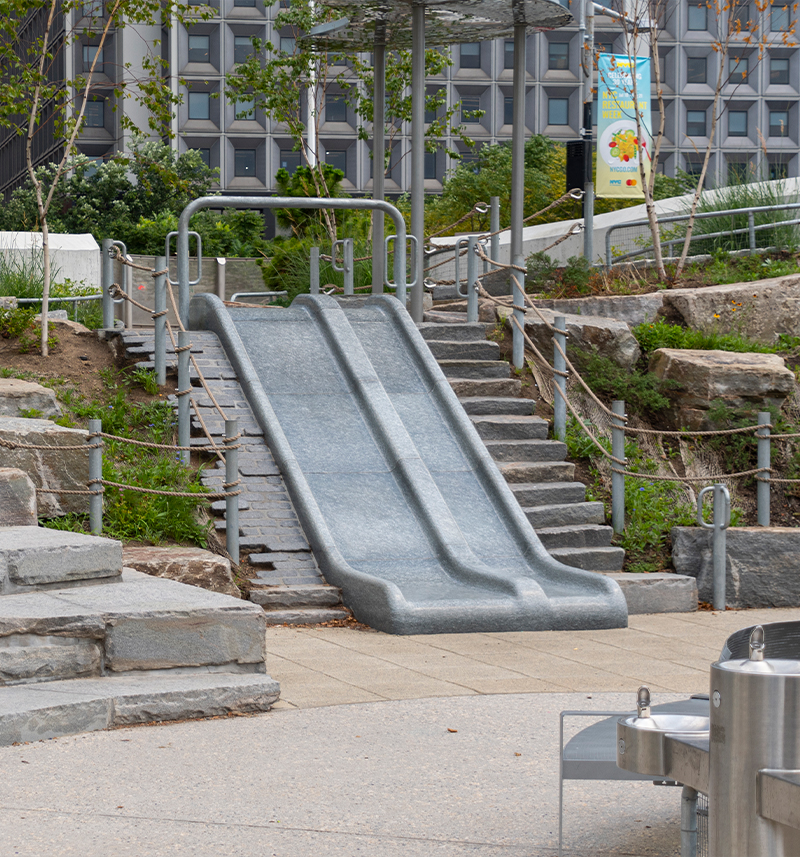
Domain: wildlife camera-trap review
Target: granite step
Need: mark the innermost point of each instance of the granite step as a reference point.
(548, 493)
(528, 451)
(293, 597)
(307, 615)
(497, 405)
(576, 536)
(480, 370)
(494, 388)
(464, 350)
(510, 427)
(590, 559)
(461, 332)
(542, 471)
(565, 514)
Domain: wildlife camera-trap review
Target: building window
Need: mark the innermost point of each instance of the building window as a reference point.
(290, 160)
(470, 108)
(89, 54)
(288, 45)
(737, 69)
(508, 110)
(737, 123)
(205, 156)
(471, 161)
(335, 108)
(242, 48)
(244, 163)
(779, 19)
(558, 111)
(338, 160)
(199, 48)
(778, 170)
(199, 105)
(470, 55)
(695, 123)
(508, 54)
(696, 69)
(737, 172)
(92, 8)
(778, 123)
(693, 168)
(430, 165)
(779, 71)
(601, 47)
(244, 109)
(697, 18)
(95, 114)
(740, 12)
(250, 3)
(431, 115)
(336, 59)
(558, 56)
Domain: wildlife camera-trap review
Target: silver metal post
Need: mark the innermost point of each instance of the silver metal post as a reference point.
(688, 822)
(763, 486)
(472, 279)
(722, 519)
(183, 400)
(95, 473)
(183, 276)
(127, 308)
(160, 322)
(347, 253)
(231, 477)
(314, 284)
(518, 195)
(219, 283)
(417, 155)
(107, 280)
(494, 227)
(751, 230)
(560, 367)
(588, 137)
(618, 479)
(378, 165)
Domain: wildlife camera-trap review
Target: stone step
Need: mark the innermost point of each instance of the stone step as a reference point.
(293, 597)
(527, 450)
(565, 514)
(536, 471)
(469, 350)
(590, 559)
(461, 332)
(480, 370)
(497, 405)
(576, 536)
(510, 427)
(307, 616)
(36, 712)
(548, 493)
(442, 316)
(465, 387)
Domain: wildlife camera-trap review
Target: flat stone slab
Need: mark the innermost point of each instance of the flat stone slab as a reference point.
(761, 568)
(37, 557)
(657, 593)
(41, 711)
(17, 499)
(17, 395)
(193, 566)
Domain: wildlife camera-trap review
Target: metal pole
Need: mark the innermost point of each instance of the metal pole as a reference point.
(347, 264)
(518, 195)
(127, 312)
(618, 479)
(231, 477)
(183, 400)
(417, 155)
(107, 280)
(220, 278)
(95, 473)
(378, 162)
(183, 276)
(472, 279)
(751, 230)
(560, 369)
(314, 284)
(588, 142)
(160, 322)
(688, 822)
(762, 483)
(494, 228)
(718, 548)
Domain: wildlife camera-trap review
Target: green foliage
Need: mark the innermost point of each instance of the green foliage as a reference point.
(577, 274)
(146, 379)
(642, 393)
(662, 334)
(306, 182)
(20, 324)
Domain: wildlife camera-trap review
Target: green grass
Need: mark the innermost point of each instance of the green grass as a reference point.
(662, 334)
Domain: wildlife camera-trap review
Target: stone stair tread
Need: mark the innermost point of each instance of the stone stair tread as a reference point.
(493, 387)
(477, 349)
(461, 332)
(497, 406)
(530, 450)
(532, 494)
(576, 536)
(590, 559)
(306, 616)
(510, 426)
(479, 370)
(536, 471)
(299, 596)
(565, 514)
(35, 712)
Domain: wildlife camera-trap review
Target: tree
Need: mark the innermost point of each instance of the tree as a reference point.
(35, 99)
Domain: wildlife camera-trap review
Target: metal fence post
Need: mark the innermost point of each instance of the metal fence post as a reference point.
(95, 474)
(751, 230)
(472, 279)
(560, 379)
(107, 278)
(494, 228)
(219, 283)
(183, 393)
(762, 479)
(618, 479)
(160, 322)
(722, 519)
(314, 281)
(127, 307)
(231, 478)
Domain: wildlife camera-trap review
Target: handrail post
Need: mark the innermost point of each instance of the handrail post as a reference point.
(617, 477)
(762, 479)
(127, 309)
(231, 478)
(472, 279)
(219, 282)
(722, 520)
(107, 278)
(494, 228)
(183, 394)
(313, 286)
(160, 322)
(560, 379)
(95, 475)
(751, 230)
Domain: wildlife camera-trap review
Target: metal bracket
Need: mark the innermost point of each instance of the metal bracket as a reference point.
(168, 241)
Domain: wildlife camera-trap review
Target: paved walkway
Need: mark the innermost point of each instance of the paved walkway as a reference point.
(381, 746)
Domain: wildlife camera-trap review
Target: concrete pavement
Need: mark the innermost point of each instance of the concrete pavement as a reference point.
(439, 745)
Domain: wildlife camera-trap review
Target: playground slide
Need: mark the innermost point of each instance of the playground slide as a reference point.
(401, 502)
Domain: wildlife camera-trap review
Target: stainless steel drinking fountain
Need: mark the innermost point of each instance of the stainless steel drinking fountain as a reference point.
(745, 756)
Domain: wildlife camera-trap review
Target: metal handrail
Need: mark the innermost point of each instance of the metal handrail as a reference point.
(73, 300)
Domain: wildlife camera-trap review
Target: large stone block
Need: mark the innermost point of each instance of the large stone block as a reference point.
(47, 659)
(586, 333)
(761, 564)
(657, 593)
(17, 395)
(17, 499)
(193, 566)
(751, 381)
(49, 468)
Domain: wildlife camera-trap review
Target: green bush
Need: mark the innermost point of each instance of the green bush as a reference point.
(662, 334)
(644, 394)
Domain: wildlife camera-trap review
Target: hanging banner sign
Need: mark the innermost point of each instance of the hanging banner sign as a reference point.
(618, 141)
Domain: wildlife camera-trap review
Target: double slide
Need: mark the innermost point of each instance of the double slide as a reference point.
(401, 502)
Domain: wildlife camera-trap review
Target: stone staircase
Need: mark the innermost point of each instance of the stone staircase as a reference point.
(86, 644)
(571, 529)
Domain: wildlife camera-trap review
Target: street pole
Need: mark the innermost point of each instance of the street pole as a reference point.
(417, 154)
(518, 195)
(378, 154)
(587, 85)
